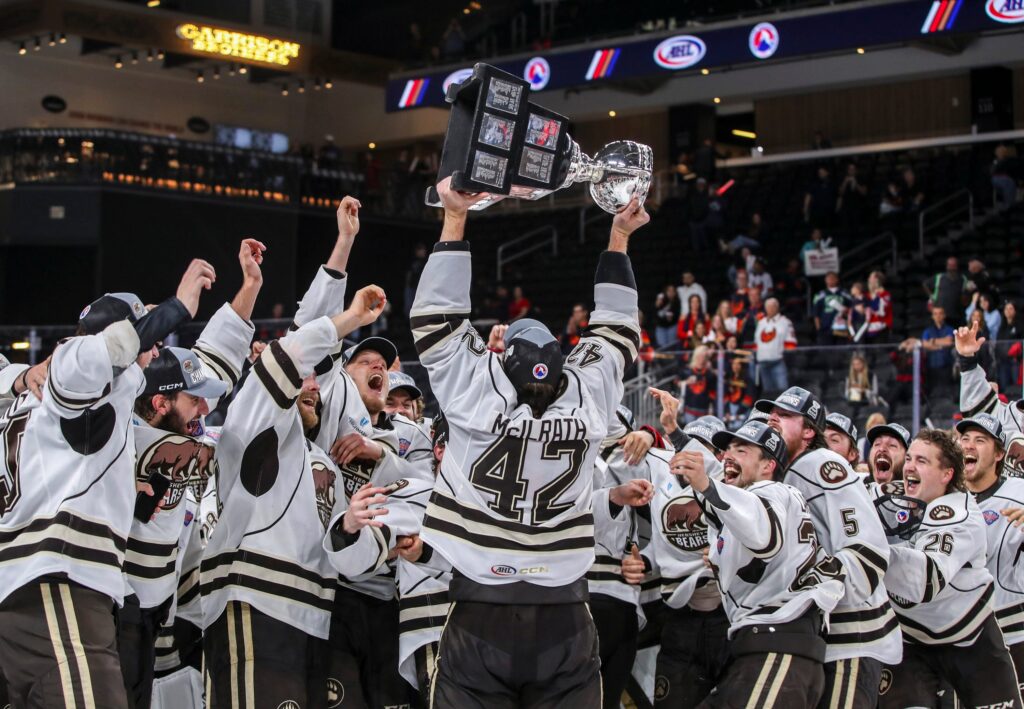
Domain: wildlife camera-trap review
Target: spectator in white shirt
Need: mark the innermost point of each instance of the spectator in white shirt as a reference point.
(691, 287)
(773, 336)
(761, 279)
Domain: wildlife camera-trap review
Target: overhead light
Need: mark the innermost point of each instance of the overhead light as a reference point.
(302, 86)
(231, 69)
(216, 73)
(153, 3)
(705, 72)
(760, 149)
(465, 11)
(21, 49)
(149, 55)
(160, 54)
(243, 69)
(37, 46)
(612, 114)
(63, 38)
(21, 345)
(860, 50)
(200, 78)
(284, 89)
(328, 84)
(316, 84)
(717, 100)
(475, 5)
(117, 62)
(744, 133)
(372, 146)
(135, 57)
(53, 40)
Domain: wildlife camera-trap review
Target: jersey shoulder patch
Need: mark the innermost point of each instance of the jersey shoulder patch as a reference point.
(832, 471)
(825, 469)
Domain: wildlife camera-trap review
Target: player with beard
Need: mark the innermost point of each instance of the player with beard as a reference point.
(981, 439)
(268, 587)
(940, 584)
(889, 443)
(776, 585)
(841, 437)
(863, 632)
(694, 649)
(181, 387)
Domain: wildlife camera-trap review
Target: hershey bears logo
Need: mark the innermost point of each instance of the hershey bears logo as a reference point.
(323, 485)
(833, 472)
(941, 513)
(661, 688)
(184, 460)
(684, 524)
(356, 474)
(885, 682)
(1013, 464)
(894, 487)
(335, 693)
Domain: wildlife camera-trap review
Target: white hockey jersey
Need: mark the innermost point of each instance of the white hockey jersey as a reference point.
(978, 397)
(938, 580)
(848, 528)
(67, 491)
(276, 494)
(765, 553)
(513, 496)
(1005, 543)
(187, 461)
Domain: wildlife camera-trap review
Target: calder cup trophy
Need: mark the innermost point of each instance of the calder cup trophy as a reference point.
(501, 143)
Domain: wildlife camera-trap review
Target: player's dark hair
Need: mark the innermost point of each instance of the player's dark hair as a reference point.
(950, 455)
(819, 438)
(779, 473)
(538, 396)
(144, 405)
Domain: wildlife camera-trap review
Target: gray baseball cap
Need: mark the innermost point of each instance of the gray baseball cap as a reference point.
(401, 380)
(986, 423)
(760, 435)
(889, 429)
(178, 369)
(843, 424)
(704, 429)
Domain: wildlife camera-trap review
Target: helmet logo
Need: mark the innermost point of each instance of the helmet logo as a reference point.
(540, 371)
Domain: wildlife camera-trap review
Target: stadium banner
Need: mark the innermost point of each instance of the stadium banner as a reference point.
(689, 50)
(820, 262)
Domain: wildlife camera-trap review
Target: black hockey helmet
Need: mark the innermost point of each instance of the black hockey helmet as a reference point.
(532, 355)
(108, 309)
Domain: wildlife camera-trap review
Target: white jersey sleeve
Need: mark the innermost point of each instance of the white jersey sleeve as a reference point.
(223, 345)
(325, 296)
(977, 397)
(82, 369)
(9, 374)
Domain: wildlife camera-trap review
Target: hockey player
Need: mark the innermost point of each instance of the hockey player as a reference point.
(889, 443)
(777, 587)
(511, 509)
(977, 395)
(941, 587)
(863, 632)
(402, 395)
(268, 588)
(841, 437)
(981, 440)
(67, 500)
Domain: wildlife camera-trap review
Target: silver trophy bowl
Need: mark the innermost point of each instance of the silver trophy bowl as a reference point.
(616, 173)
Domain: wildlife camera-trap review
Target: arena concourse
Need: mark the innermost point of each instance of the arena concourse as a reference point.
(511, 354)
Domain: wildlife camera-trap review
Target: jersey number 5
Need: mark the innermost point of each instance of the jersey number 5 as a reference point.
(499, 471)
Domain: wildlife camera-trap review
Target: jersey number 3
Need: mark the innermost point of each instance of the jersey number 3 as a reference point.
(499, 471)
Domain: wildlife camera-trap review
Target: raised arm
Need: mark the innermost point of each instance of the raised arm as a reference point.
(976, 394)
(326, 294)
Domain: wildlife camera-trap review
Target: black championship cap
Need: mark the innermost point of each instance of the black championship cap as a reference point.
(532, 354)
(109, 309)
(985, 423)
(178, 369)
(889, 429)
(704, 429)
(843, 424)
(401, 380)
(797, 400)
(759, 434)
(381, 345)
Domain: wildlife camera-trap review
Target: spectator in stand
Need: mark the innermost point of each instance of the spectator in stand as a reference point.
(857, 316)
(937, 341)
(753, 239)
(716, 211)
(704, 160)
(740, 299)
(274, 332)
(729, 321)
(691, 287)
(739, 394)
(979, 280)
(852, 205)
(412, 276)
(820, 199)
(520, 306)
(700, 213)
(986, 355)
(891, 203)
(754, 314)
(820, 142)
(993, 319)
(1010, 334)
(946, 290)
(576, 324)
(861, 386)
(760, 279)
(666, 316)
(792, 291)
(903, 362)
(699, 386)
(879, 310)
(1004, 178)
(830, 304)
(695, 314)
(702, 335)
(774, 335)
(744, 261)
(453, 41)
(913, 195)
(718, 333)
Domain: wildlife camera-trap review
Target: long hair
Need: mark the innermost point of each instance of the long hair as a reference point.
(861, 379)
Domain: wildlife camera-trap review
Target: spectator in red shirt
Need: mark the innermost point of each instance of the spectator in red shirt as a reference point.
(577, 323)
(520, 306)
(740, 299)
(699, 387)
(879, 310)
(695, 314)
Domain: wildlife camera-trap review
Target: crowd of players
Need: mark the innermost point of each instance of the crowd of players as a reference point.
(327, 546)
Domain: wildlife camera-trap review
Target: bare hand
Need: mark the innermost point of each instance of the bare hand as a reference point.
(409, 547)
(630, 218)
(361, 513)
(355, 446)
(199, 276)
(633, 567)
(35, 379)
(967, 341)
(1014, 514)
(635, 493)
(635, 445)
(368, 304)
(250, 258)
(669, 417)
(348, 217)
(496, 340)
(457, 203)
(256, 350)
(690, 465)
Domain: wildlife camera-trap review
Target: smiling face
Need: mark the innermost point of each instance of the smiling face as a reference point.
(369, 371)
(982, 456)
(180, 413)
(841, 444)
(886, 458)
(923, 473)
(400, 401)
(309, 397)
(745, 464)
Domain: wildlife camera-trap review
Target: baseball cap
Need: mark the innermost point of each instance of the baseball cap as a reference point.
(109, 309)
(759, 434)
(704, 429)
(797, 400)
(986, 422)
(532, 354)
(401, 380)
(889, 429)
(625, 415)
(843, 424)
(756, 415)
(381, 345)
(178, 369)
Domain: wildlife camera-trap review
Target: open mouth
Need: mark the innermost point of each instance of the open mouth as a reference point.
(308, 400)
(883, 464)
(376, 383)
(912, 483)
(970, 461)
(195, 427)
(731, 473)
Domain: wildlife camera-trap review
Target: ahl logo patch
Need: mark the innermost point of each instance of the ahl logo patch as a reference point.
(721, 543)
(991, 517)
(501, 570)
(941, 513)
(540, 371)
(833, 472)
(85, 311)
